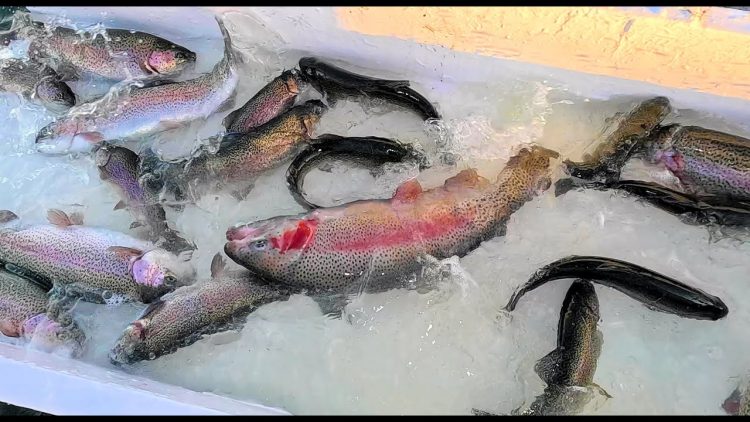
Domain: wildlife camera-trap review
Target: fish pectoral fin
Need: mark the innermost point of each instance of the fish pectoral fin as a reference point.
(217, 265)
(547, 366)
(477, 412)
(241, 194)
(332, 306)
(7, 216)
(119, 205)
(135, 224)
(61, 219)
(600, 390)
(125, 253)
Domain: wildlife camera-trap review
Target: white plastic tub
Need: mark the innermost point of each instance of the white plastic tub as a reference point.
(59, 386)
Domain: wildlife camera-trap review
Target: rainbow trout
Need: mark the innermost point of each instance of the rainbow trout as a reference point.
(134, 111)
(569, 370)
(116, 54)
(180, 318)
(378, 244)
(240, 157)
(94, 263)
(119, 168)
(37, 82)
(706, 161)
(620, 140)
(23, 306)
(272, 100)
(738, 403)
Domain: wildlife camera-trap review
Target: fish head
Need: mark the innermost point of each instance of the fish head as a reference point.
(293, 81)
(170, 61)
(50, 335)
(535, 163)
(109, 157)
(163, 270)
(132, 345)
(312, 72)
(270, 248)
(55, 93)
(65, 135)
(311, 112)
(658, 145)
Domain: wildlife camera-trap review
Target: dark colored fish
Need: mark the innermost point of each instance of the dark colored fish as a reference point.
(118, 54)
(272, 100)
(691, 209)
(656, 291)
(119, 168)
(36, 81)
(371, 150)
(240, 157)
(180, 318)
(622, 138)
(706, 161)
(135, 111)
(336, 83)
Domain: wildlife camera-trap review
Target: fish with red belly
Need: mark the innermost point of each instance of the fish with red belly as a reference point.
(375, 245)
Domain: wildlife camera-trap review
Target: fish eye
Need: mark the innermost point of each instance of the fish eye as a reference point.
(260, 244)
(169, 278)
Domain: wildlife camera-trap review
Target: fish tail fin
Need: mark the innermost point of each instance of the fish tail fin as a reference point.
(229, 57)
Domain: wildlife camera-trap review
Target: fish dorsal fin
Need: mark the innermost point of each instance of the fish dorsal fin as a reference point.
(76, 218)
(120, 205)
(61, 219)
(217, 265)
(468, 178)
(408, 191)
(125, 252)
(6, 216)
(103, 175)
(548, 366)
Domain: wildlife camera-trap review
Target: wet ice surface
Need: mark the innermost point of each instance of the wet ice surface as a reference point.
(448, 350)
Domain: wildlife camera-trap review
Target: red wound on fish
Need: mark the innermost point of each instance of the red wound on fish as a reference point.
(408, 191)
(296, 238)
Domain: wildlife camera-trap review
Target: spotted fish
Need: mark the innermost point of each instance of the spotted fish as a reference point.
(115, 54)
(37, 82)
(706, 161)
(377, 244)
(180, 318)
(239, 159)
(272, 100)
(91, 262)
(23, 306)
(137, 111)
(118, 167)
